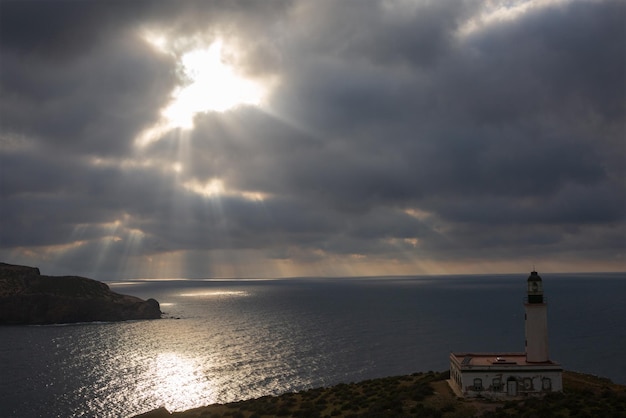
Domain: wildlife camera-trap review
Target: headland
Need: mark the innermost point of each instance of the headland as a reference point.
(29, 298)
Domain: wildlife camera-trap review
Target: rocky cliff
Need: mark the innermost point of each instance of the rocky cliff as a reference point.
(27, 297)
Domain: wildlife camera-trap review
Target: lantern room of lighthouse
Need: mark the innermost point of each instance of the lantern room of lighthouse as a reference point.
(535, 288)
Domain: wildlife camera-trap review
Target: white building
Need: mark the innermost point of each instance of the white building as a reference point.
(498, 375)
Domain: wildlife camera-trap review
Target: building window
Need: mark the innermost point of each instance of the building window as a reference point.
(478, 384)
(546, 383)
(496, 384)
(528, 383)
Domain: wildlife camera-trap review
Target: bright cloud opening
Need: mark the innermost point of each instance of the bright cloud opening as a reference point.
(208, 83)
(214, 188)
(213, 85)
(498, 11)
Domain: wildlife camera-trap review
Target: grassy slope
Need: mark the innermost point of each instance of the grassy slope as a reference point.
(421, 395)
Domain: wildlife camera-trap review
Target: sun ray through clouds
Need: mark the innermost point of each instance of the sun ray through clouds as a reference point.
(208, 82)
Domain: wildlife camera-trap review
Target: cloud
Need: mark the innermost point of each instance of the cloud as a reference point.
(397, 137)
(91, 103)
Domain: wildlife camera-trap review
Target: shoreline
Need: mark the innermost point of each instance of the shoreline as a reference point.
(419, 394)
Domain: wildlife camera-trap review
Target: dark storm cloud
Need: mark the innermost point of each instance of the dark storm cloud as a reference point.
(60, 29)
(389, 134)
(93, 104)
(48, 197)
(514, 110)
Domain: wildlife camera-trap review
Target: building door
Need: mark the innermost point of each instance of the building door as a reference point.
(511, 387)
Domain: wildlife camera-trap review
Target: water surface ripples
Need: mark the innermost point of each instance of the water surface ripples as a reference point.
(230, 340)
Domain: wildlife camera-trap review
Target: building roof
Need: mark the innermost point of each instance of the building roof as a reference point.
(496, 360)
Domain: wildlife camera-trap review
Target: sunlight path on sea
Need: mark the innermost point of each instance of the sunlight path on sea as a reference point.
(231, 340)
(181, 382)
(225, 346)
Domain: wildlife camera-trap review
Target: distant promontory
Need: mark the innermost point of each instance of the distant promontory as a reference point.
(29, 298)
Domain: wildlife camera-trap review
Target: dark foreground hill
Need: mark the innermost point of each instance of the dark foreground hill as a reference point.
(27, 297)
(421, 395)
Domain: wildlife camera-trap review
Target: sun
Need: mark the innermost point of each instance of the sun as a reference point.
(213, 86)
(208, 83)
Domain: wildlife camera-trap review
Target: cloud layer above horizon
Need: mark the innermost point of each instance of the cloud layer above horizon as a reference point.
(392, 137)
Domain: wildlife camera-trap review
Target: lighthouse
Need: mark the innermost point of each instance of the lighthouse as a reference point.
(536, 321)
(512, 374)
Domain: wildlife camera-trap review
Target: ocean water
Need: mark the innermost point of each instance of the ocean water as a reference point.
(227, 340)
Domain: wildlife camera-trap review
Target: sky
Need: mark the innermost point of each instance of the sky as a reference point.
(281, 138)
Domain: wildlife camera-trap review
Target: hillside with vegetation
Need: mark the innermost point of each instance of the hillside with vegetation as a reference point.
(421, 395)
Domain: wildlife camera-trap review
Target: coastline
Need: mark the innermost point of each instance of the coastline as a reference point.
(419, 394)
(28, 297)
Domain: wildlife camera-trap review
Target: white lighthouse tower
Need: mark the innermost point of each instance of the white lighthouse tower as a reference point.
(512, 374)
(536, 322)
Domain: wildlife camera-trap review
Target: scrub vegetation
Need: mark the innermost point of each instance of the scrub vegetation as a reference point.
(420, 395)
(583, 396)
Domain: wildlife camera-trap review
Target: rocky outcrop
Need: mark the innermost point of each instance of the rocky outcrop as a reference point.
(27, 297)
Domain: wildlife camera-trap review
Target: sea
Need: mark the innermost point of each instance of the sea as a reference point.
(227, 340)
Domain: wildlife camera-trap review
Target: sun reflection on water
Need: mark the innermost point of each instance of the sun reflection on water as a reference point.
(181, 382)
(216, 293)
